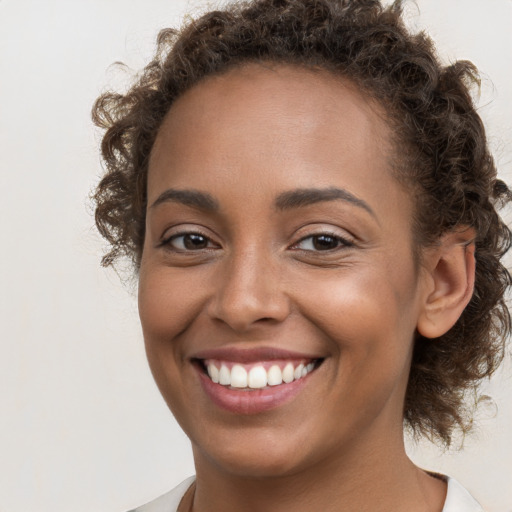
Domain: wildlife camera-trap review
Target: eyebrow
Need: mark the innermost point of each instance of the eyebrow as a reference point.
(306, 196)
(188, 197)
(289, 200)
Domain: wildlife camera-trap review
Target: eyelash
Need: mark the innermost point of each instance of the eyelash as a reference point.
(341, 241)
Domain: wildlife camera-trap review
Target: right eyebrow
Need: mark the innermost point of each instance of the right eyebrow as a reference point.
(188, 197)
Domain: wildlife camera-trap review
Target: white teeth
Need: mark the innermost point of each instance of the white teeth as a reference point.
(288, 373)
(257, 377)
(224, 376)
(238, 376)
(213, 373)
(297, 374)
(274, 376)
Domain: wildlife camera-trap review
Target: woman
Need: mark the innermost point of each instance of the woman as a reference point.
(309, 202)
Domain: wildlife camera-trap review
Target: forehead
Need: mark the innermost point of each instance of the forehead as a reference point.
(300, 89)
(254, 103)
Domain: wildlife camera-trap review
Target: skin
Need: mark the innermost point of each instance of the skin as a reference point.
(245, 138)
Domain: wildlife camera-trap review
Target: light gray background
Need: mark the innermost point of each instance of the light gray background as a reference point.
(82, 426)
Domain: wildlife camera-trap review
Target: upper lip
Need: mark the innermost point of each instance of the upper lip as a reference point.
(251, 355)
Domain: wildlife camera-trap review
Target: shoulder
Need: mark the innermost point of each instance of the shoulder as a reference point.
(169, 501)
(458, 499)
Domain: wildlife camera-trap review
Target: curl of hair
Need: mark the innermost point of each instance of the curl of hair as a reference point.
(444, 158)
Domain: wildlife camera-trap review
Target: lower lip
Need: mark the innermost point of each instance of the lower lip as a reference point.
(250, 402)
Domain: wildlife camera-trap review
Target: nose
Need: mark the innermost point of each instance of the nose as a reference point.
(249, 292)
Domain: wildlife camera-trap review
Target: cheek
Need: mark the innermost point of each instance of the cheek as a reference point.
(369, 318)
(168, 302)
(167, 307)
(355, 302)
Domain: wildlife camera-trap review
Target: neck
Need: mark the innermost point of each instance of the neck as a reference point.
(365, 477)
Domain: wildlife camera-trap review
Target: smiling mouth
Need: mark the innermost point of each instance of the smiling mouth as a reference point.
(258, 375)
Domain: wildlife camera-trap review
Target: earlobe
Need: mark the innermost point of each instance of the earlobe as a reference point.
(451, 276)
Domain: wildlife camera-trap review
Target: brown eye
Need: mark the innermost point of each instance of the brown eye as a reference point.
(189, 242)
(194, 241)
(325, 242)
(322, 242)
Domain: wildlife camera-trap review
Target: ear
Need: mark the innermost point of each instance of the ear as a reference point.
(450, 280)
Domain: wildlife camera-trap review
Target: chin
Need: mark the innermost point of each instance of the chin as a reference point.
(261, 456)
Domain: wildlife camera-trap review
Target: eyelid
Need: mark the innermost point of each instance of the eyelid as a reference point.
(316, 229)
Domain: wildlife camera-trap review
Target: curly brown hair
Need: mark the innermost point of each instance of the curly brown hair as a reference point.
(443, 158)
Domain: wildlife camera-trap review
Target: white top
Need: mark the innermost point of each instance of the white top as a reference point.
(457, 499)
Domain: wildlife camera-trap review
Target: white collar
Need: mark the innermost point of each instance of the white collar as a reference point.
(458, 499)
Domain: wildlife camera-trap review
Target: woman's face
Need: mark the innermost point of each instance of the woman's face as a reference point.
(277, 237)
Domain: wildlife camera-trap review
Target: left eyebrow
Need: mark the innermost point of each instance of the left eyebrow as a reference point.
(306, 196)
(188, 197)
